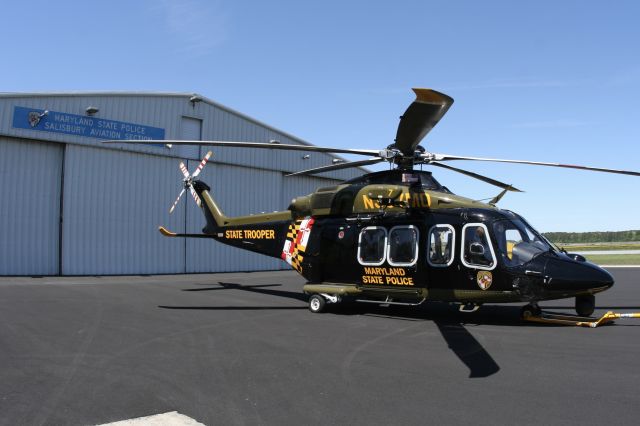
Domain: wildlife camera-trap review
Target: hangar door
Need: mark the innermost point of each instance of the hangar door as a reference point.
(114, 202)
(30, 182)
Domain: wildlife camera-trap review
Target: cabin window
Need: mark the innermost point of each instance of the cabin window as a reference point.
(403, 246)
(477, 251)
(372, 246)
(440, 245)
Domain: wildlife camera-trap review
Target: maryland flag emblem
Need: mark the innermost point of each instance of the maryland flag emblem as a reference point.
(296, 242)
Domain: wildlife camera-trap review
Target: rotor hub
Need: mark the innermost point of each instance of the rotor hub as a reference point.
(406, 162)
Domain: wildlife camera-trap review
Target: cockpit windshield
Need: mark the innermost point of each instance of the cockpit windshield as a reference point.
(518, 242)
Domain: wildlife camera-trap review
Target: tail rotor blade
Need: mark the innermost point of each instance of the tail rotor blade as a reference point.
(175, 203)
(195, 196)
(202, 164)
(184, 170)
(188, 181)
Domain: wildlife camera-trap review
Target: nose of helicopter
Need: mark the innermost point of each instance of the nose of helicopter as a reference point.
(567, 274)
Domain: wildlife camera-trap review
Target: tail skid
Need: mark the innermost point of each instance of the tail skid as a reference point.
(164, 231)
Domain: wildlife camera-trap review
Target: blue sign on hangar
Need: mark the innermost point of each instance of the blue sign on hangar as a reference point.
(80, 125)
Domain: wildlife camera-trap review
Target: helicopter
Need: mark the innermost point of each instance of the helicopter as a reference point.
(399, 237)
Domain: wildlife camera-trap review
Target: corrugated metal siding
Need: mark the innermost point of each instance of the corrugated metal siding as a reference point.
(30, 182)
(238, 191)
(167, 112)
(191, 130)
(114, 202)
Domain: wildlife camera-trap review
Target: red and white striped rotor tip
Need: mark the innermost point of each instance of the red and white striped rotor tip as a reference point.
(202, 164)
(184, 170)
(175, 203)
(195, 196)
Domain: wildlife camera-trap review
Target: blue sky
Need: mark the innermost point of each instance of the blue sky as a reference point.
(546, 80)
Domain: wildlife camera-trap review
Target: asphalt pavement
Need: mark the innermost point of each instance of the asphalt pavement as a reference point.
(243, 349)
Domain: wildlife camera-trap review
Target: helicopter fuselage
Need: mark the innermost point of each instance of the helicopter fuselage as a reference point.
(408, 241)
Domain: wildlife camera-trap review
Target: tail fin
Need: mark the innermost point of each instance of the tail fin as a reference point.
(216, 219)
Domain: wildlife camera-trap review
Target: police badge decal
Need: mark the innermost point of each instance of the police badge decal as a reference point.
(484, 279)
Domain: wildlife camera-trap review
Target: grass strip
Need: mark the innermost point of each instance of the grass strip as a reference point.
(588, 247)
(614, 259)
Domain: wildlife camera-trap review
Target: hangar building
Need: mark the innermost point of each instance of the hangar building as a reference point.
(71, 205)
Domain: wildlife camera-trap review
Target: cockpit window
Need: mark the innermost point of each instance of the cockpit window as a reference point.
(477, 251)
(517, 242)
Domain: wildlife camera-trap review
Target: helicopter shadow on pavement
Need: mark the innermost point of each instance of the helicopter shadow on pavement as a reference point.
(468, 349)
(452, 325)
(450, 322)
(258, 288)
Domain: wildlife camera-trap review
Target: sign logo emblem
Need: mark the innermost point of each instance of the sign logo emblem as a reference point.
(34, 118)
(484, 279)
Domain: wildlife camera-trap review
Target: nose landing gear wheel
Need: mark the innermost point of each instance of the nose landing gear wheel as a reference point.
(585, 305)
(316, 303)
(530, 310)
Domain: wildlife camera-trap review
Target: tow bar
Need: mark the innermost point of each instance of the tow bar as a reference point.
(549, 318)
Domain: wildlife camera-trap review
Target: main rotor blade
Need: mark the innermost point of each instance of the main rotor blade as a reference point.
(497, 183)
(339, 166)
(447, 157)
(421, 116)
(260, 145)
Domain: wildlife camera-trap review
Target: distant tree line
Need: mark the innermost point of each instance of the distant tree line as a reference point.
(593, 237)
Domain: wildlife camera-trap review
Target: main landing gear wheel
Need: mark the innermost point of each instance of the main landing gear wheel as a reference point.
(316, 303)
(530, 310)
(585, 305)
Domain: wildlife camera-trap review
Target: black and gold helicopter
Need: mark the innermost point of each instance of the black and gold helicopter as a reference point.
(400, 237)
